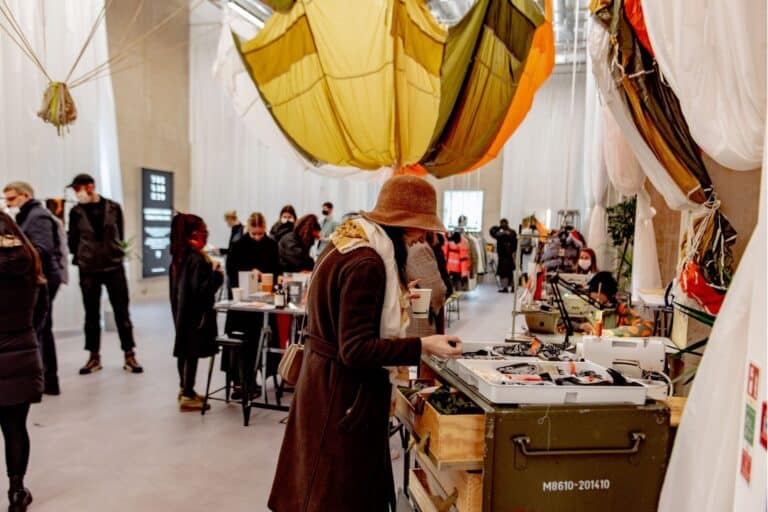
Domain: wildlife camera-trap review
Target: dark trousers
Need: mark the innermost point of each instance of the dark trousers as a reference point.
(117, 290)
(187, 368)
(13, 420)
(47, 341)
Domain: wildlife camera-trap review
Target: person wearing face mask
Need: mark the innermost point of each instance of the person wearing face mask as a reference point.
(194, 280)
(254, 251)
(621, 321)
(42, 229)
(327, 226)
(96, 232)
(587, 263)
(337, 434)
(284, 224)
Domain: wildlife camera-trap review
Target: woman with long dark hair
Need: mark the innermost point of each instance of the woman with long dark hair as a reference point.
(294, 247)
(285, 223)
(335, 454)
(24, 304)
(194, 280)
(587, 263)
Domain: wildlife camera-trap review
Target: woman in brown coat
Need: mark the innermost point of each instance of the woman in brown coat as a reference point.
(335, 454)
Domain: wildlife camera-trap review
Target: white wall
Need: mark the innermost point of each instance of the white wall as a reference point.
(536, 156)
(232, 169)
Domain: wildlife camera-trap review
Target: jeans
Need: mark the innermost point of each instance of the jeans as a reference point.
(13, 420)
(117, 290)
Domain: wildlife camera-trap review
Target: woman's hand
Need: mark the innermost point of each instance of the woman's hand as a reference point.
(442, 346)
(411, 286)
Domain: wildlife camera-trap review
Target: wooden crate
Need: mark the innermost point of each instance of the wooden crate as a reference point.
(451, 440)
(425, 494)
(465, 485)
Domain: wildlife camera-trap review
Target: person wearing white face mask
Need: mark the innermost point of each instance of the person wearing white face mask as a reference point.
(96, 232)
(587, 262)
(284, 224)
(42, 229)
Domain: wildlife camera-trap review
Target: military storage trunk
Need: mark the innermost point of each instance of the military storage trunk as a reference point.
(526, 458)
(568, 458)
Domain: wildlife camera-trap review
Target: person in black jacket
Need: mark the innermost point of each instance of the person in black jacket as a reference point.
(24, 302)
(194, 280)
(42, 230)
(506, 246)
(235, 229)
(295, 246)
(254, 251)
(284, 224)
(95, 237)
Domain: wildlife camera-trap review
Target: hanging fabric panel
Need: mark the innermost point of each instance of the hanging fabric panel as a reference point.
(713, 57)
(489, 88)
(708, 470)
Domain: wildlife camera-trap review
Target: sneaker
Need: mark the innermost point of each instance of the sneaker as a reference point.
(187, 404)
(131, 365)
(19, 500)
(92, 366)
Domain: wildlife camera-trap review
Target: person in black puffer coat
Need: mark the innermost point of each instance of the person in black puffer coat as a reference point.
(24, 306)
(194, 280)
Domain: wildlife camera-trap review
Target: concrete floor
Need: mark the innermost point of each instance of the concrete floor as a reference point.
(117, 442)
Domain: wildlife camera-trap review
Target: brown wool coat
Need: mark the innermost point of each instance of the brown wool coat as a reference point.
(335, 454)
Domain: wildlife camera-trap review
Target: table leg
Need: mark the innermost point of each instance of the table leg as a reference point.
(245, 390)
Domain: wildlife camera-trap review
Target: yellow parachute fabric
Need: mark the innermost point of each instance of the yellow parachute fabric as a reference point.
(380, 83)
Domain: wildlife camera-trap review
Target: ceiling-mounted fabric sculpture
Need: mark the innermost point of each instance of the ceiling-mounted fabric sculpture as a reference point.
(718, 70)
(619, 58)
(395, 88)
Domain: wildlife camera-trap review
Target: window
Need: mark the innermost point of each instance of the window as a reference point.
(463, 203)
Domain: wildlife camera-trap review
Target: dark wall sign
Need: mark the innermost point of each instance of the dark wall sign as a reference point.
(156, 215)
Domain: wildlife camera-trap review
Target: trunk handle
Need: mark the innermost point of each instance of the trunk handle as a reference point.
(524, 442)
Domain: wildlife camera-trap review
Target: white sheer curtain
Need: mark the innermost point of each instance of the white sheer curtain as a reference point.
(705, 471)
(232, 167)
(31, 150)
(712, 54)
(595, 176)
(628, 179)
(536, 157)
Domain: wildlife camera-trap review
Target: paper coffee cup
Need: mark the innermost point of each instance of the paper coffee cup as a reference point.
(420, 306)
(267, 281)
(237, 294)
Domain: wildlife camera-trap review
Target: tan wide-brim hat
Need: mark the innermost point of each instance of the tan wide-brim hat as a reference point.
(406, 202)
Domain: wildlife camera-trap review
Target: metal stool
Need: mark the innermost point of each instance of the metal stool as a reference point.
(236, 345)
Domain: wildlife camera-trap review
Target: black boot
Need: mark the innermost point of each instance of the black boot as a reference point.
(19, 496)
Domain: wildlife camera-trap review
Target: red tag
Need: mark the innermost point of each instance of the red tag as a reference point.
(764, 428)
(746, 465)
(753, 379)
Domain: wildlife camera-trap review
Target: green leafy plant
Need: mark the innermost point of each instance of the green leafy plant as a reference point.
(621, 228)
(128, 247)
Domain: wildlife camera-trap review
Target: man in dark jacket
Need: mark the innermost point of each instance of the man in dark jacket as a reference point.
(42, 229)
(96, 233)
(506, 246)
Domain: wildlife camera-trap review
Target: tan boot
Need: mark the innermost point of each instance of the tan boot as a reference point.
(187, 404)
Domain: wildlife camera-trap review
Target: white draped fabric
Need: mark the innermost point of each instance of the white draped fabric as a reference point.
(31, 150)
(536, 157)
(232, 75)
(628, 179)
(599, 44)
(712, 54)
(705, 471)
(232, 167)
(595, 176)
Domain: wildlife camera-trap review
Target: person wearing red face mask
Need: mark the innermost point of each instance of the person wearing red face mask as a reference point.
(194, 280)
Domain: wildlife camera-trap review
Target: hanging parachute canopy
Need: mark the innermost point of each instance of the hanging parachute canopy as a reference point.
(657, 114)
(396, 88)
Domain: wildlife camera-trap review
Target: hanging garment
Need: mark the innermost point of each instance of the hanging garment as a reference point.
(561, 252)
(457, 256)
